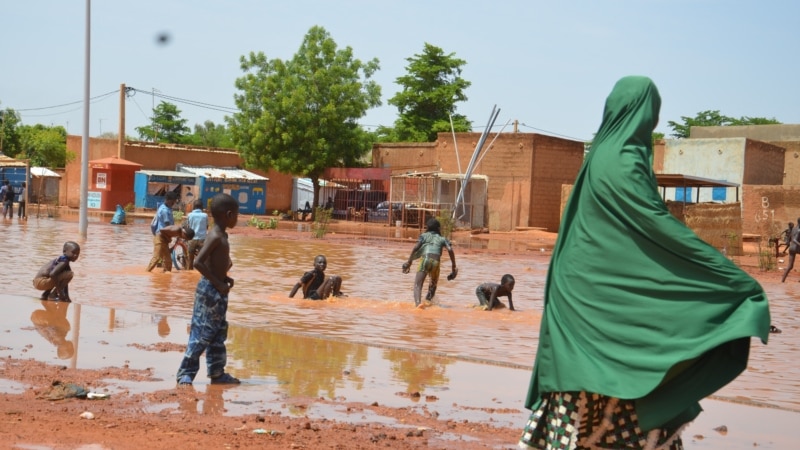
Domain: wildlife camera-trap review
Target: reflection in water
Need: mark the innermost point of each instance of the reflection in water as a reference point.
(212, 402)
(163, 325)
(304, 367)
(51, 322)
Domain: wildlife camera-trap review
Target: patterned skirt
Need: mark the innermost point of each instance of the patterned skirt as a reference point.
(581, 420)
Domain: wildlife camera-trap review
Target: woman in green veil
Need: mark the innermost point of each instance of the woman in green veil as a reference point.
(642, 319)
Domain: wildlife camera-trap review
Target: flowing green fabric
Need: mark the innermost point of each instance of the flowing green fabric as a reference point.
(637, 306)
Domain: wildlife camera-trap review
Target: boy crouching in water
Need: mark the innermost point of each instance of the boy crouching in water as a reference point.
(57, 274)
(487, 293)
(209, 328)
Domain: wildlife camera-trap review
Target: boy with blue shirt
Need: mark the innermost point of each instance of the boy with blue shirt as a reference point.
(197, 220)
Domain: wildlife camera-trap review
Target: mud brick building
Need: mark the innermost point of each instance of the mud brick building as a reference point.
(525, 171)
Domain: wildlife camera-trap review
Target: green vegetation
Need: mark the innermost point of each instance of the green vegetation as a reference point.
(427, 101)
(319, 226)
(713, 119)
(300, 116)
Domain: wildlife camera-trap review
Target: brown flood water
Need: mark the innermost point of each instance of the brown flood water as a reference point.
(370, 346)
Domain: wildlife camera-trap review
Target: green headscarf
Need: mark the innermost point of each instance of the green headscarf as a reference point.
(636, 305)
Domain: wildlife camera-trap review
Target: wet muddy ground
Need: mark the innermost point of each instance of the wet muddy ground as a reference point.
(449, 363)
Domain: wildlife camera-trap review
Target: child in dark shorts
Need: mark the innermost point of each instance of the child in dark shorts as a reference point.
(488, 292)
(315, 285)
(56, 274)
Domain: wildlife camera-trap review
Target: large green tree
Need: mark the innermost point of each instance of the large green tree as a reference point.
(427, 101)
(166, 126)
(9, 133)
(713, 119)
(44, 146)
(299, 116)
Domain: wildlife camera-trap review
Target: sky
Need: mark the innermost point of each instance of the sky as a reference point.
(547, 64)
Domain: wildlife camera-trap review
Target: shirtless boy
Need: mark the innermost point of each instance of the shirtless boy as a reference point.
(488, 292)
(209, 328)
(315, 285)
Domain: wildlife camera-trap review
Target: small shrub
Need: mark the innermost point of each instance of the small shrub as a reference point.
(129, 207)
(276, 213)
(258, 223)
(320, 226)
(273, 224)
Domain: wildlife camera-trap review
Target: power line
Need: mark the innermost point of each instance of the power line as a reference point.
(67, 104)
(98, 100)
(553, 133)
(188, 102)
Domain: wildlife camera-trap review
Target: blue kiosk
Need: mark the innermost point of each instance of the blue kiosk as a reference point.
(248, 188)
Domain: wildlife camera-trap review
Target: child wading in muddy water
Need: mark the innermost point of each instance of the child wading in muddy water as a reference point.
(429, 248)
(487, 293)
(57, 274)
(209, 328)
(315, 285)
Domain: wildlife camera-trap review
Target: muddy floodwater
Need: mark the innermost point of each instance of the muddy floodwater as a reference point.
(372, 345)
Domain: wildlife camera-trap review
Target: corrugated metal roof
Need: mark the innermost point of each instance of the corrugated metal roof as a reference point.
(165, 173)
(223, 173)
(7, 161)
(43, 172)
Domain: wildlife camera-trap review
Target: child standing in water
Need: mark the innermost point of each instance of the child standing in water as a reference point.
(429, 247)
(57, 274)
(488, 292)
(209, 328)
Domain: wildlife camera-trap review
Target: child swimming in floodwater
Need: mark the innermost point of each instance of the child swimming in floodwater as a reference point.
(315, 285)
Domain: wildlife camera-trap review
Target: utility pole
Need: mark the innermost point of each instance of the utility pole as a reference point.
(121, 131)
(83, 216)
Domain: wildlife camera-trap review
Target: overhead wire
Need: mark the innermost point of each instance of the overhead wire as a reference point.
(67, 104)
(130, 91)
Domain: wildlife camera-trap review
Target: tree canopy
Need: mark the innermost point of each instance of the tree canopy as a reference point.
(45, 146)
(167, 125)
(9, 134)
(427, 100)
(299, 116)
(209, 134)
(713, 119)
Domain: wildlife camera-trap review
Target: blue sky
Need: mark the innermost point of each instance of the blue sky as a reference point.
(547, 64)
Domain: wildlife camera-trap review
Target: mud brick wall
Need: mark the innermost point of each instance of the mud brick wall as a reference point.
(791, 166)
(767, 209)
(406, 157)
(525, 170)
(763, 163)
(719, 224)
(166, 157)
(555, 162)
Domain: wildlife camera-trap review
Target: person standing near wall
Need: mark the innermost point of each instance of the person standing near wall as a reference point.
(23, 193)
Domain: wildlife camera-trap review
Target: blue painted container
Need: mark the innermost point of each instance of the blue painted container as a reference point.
(150, 186)
(248, 188)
